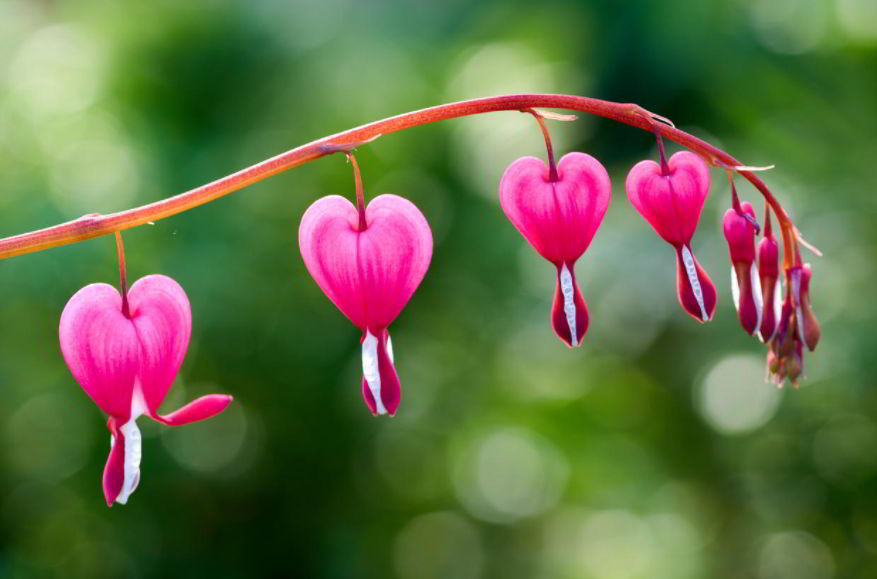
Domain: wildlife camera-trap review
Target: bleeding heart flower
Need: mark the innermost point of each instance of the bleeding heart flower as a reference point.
(745, 282)
(768, 273)
(559, 219)
(127, 363)
(670, 198)
(369, 265)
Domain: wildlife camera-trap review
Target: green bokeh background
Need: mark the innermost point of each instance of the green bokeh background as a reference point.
(655, 450)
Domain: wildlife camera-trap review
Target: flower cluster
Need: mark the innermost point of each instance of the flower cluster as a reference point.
(125, 348)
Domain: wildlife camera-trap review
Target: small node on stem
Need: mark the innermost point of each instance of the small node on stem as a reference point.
(345, 147)
(123, 274)
(552, 165)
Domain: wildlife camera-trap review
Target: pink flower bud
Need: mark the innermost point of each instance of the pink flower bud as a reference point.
(369, 274)
(745, 282)
(671, 202)
(771, 288)
(559, 219)
(126, 364)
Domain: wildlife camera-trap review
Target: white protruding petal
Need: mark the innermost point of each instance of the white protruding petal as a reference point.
(133, 445)
(777, 302)
(569, 302)
(755, 284)
(133, 454)
(691, 271)
(390, 349)
(371, 371)
(735, 289)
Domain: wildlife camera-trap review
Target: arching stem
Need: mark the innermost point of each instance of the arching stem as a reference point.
(94, 225)
(123, 274)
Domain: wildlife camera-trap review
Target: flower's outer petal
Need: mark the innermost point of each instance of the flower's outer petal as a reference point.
(114, 471)
(694, 289)
(569, 313)
(747, 296)
(100, 346)
(369, 275)
(199, 409)
(162, 318)
(558, 218)
(380, 384)
(671, 203)
(740, 234)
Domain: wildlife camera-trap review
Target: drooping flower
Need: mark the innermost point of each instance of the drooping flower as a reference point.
(559, 218)
(745, 282)
(670, 198)
(126, 354)
(797, 327)
(368, 262)
(768, 273)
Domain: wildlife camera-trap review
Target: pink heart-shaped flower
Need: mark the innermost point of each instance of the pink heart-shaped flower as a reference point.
(559, 219)
(369, 275)
(671, 200)
(127, 364)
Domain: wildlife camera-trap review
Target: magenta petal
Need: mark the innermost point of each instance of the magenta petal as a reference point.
(379, 374)
(162, 317)
(100, 347)
(670, 203)
(569, 313)
(369, 275)
(558, 218)
(199, 409)
(114, 470)
(694, 289)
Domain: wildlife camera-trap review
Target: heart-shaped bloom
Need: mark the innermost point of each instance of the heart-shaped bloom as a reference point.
(127, 363)
(559, 219)
(745, 282)
(771, 287)
(370, 274)
(670, 199)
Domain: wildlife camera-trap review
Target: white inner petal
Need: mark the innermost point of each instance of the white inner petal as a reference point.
(390, 349)
(371, 371)
(735, 289)
(133, 445)
(691, 271)
(755, 283)
(569, 302)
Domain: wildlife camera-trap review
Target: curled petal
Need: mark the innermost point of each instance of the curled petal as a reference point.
(199, 409)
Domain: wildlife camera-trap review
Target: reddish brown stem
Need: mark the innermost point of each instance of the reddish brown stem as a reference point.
(360, 193)
(123, 274)
(665, 168)
(552, 165)
(96, 225)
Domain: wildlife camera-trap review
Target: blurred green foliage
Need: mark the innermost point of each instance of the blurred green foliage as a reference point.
(654, 450)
